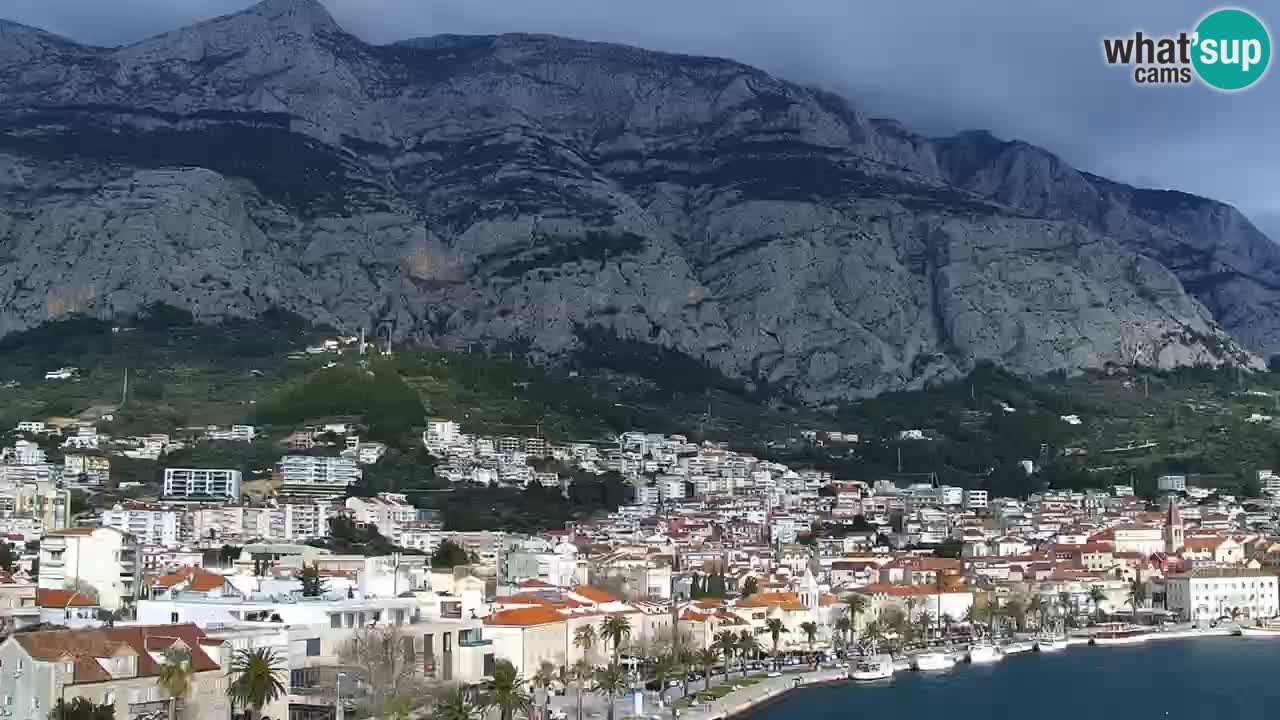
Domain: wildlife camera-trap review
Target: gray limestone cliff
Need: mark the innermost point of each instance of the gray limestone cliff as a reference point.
(523, 188)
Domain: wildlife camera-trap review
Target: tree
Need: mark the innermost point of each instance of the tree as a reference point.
(175, 678)
(775, 628)
(810, 630)
(1096, 596)
(665, 669)
(750, 586)
(543, 680)
(313, 585)
(507, 694)
(382, 659)
(872, 635)
(584, 638)
(1137, 595)
(256, 682)
(1016, 611)
(455, 705)
(615, 629)
(612, 681)
(582, 672)
(449, 554)
(706, 658)
(841, 627)
(726, 644)
(1036, 608)
(747, 646)
(82, 709)
(857, 605)
(925, 622)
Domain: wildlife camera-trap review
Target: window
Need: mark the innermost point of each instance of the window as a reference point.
(428, 645)
(8, 699)
(35, 703)
(335, 620)
(109, 698)
(173, 617)
(313, 647)
(351, 620)
(448, 642)
(70, 668)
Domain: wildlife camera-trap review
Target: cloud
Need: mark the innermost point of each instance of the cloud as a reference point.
(1026, 69)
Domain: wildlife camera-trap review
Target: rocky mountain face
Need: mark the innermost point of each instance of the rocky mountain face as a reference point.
(539, 191)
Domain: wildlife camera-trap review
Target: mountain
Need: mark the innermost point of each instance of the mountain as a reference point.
(570, 197)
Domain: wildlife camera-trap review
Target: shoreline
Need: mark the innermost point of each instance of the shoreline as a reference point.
(740, 706)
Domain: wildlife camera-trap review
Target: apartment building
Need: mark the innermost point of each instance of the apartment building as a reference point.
(318, 475)
(104, 559)
(165, 526)
(1206, 594)
(202, 483)
(112, 666)
(89, 469)
(388, 512)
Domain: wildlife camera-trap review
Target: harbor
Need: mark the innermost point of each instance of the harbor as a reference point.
(880, 670)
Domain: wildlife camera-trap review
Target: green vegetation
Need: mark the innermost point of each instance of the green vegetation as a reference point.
(449, 554)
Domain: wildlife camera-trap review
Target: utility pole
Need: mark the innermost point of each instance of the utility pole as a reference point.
(124, 391)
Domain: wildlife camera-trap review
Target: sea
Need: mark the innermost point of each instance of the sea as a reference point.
(1222, 678)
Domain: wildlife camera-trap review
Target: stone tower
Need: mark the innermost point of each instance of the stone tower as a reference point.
(1173, 531)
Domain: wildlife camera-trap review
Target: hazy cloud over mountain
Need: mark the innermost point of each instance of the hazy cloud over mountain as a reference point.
(1027, 69)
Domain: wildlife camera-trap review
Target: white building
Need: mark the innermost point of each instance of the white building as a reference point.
(236, 433)
(104, 559)
(150, 524)
(975, 499)
(313, 475)
(1172, 483)
(26, 452)
(1206, 594)
(193, 483)
(389, 512)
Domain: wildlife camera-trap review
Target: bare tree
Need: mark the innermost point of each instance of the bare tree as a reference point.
(384, 663)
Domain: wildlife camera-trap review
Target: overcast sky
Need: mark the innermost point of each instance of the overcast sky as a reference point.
(1026, 69)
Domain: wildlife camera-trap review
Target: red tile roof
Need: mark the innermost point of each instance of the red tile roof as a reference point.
(64, 598)
(197, 579)
(83, 647)
(525, 617)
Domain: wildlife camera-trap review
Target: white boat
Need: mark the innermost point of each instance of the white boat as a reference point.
(933, 660)
(1121, 634)
(1013, 648)
(1050, 643)
(982, 652)
(878, 668)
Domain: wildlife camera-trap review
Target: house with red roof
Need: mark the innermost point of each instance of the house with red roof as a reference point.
(112, 666)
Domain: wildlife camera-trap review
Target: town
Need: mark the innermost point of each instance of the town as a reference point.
(713, 556)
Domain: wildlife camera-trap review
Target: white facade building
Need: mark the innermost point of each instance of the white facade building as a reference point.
(310, 474)
(195, 483)
(104, 559)
(1207, 594)
(975, 499)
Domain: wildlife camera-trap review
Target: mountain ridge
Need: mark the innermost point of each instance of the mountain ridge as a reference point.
(520, 188)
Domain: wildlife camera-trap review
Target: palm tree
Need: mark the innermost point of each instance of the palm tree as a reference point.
(81, 709)
(747, 645)
(684, 658)
(707, 659)
(1036, 608)
(858, 605)
(775, 628)
(810, 630)
(543, 680)
(947, 622)
(872, 634)
(175, 678)
(665, 669)
(612, 681)
(1065, 601)
(895, 620)
(584, 638)
(1137, 596)
(256, 682)
(842, 626)
(615, 630)
(1097, 595)
(507, 694)
(454, 705)
(582, 672)
(1017, 612)
(925, 621)
(726, 643)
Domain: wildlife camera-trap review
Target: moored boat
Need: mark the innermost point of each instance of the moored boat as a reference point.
(1121, 635)
(982, 652)
(1013, 648)
(933, 660)
(1269, 628)
(877, 668)
(1050, 643)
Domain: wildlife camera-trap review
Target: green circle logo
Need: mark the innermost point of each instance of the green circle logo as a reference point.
(1232, 49)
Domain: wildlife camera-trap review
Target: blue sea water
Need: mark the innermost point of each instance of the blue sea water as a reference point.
(1197, 679)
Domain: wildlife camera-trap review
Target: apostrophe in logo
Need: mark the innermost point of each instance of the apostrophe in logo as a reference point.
(1233, 49)
(1229, 49)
